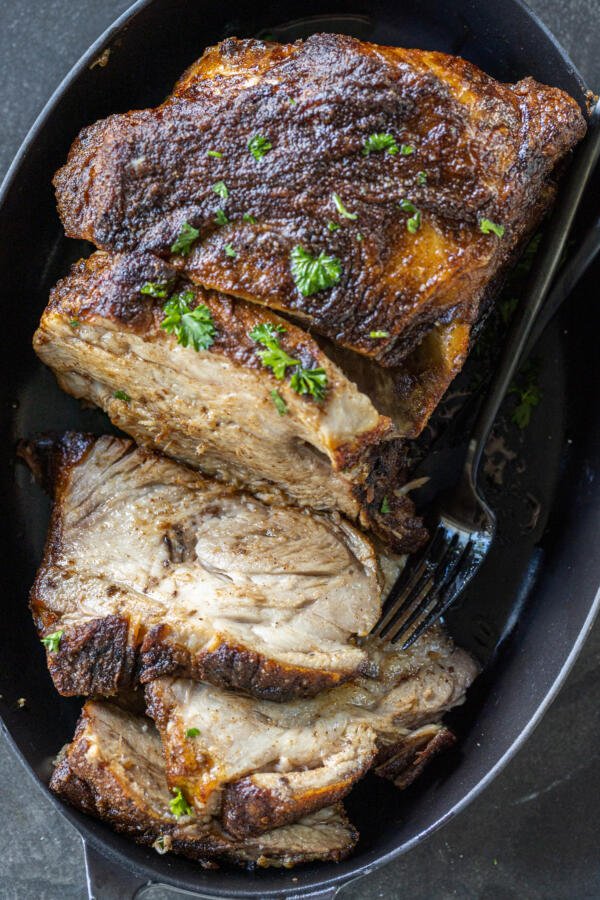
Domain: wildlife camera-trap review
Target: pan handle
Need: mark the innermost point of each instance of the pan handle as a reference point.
(109, 881)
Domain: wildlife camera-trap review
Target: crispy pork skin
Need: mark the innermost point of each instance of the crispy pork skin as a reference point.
(264, 764)
(215, 409)
(151, 568)
(407, 153)
(114, 770)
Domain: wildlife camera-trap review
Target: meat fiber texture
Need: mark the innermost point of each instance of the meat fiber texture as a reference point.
(151, 569)
(259, 765)
(406, 241)
(114, 770)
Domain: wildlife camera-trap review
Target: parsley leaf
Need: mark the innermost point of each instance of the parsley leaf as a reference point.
(122, 395)
(421, 177)
(273, 356)
(74, 323)
(280, 404)
(192, 732)
(259, 146)
(230, 251)
(193, 327)
(406, 149)
(179, 805)
(52, 641)
(379, 334)
(359, 236)
(414, 223)
(486, 226)
(215, 153)
(407, 206)
(385, 507)
(248, 218)
(220, 217)
(220, 189)
(342, 209)
(376, 142)
(266, 332)
(314, 273)
(529, 396)
(333, 226)
(184, 240)
(309, 381)
(159, 289)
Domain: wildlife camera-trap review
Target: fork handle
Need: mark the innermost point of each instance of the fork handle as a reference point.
(547, 262)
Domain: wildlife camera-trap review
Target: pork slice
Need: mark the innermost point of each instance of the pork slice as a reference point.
(261, 764)
(220, 409)
(406, 243)
(151, 568)
(114, 770)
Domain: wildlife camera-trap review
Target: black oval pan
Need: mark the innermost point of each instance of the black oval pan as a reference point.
(528, 613)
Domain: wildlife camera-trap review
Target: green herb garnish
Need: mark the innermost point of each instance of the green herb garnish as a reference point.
(159, 289)
(406, 149)
(333, 226)
(529, 395)
(215, 153)
(122, 395)
(192, 732)
(414, 223)
(385, 507)
(179, 805)
(192, 327)
(220, 189)
(74, 323)
(249, 218)
(312, 274)
(309, 381)
(378, 334)
(342, 209)
(486, 226)
(359, 236)
(52, 641)
(407, 206)
(230, 251)
(421, 177)
(220, 217)
(273, 356)
(184, 240)
(280, 404)
(377, 142)
(259, 146)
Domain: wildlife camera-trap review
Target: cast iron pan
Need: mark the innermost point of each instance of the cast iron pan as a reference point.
(534, 601)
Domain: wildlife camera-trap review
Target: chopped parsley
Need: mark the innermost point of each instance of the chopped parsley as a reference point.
(385, 507)
(377, 142)
(342, 209)
(220, 217)
(406, 149)
(230, 251)
(359, 236)
(486, 226)
(52, 641)
(528, 394)
(220, 189)
(192, 732)
(259, 146)
(249, 218)
(179, 805)
(312, 274)
(407, 206)
(378, 334)
(273, 356)
(74, 323)
(280, 404)
(421, 177)
(309, 381)
(184, 240)
(414, 223)
(122, 395)
(159, 289)
(215, 153)
(192, 327)
(333, 226)
(291, 101)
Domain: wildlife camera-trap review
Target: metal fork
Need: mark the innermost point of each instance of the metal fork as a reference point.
(432, 581)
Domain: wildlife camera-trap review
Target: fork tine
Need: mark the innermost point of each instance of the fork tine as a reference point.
(430, 600)
(418, 599)
(453, 589)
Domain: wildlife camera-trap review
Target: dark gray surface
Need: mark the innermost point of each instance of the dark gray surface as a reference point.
(534, 833)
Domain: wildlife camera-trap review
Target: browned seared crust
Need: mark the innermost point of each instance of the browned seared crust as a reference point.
(403, 762)
(108, 654)
(113, 770)
(360, 453)
(489, 150)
